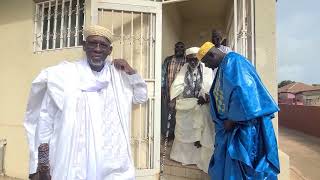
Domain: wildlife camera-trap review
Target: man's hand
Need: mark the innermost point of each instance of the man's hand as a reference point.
(229, 125)
(44, 175)
(201, 101)
(123, 65)
(172, 104)
(207, 97)
(197, 144)
(43, 170)
(34, 176)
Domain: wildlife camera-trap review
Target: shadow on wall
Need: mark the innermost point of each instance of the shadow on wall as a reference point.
(302, 118)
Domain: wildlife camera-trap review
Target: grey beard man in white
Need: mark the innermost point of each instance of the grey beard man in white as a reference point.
(78, 113)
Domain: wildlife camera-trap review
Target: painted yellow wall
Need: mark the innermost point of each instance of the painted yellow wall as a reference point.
(266, 58)
(196, 32)
(192, 32)
(19, 66)
(266, 46)
(171, 29)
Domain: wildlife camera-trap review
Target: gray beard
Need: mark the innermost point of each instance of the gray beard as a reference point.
(193, 68)
(96, 64)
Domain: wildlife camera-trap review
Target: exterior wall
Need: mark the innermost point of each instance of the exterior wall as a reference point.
(286, 98)
(289, 98)
(299, 99)
(197, 31)
(284, 165)
(265, 33)
(171, 29)
(192, 32)
(283, 95)
(19, 67)
(311, 98)
(314, 100)
(302, 118)
(265, 11)
(308, 98)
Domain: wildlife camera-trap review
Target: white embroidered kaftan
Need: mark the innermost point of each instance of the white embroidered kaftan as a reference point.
(84, 116)
(193, 123)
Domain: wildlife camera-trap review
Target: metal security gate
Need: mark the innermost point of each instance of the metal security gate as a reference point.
(136, 28)
(3, 144)
(240, 29)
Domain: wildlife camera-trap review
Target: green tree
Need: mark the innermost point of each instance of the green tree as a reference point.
(284, 83)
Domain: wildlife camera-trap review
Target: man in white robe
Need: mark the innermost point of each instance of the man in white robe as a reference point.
(193, 143)
(78, 114)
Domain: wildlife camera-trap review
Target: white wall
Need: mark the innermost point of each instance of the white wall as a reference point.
(171, 29)
(192, 32)
(19, 66)
(198, 31)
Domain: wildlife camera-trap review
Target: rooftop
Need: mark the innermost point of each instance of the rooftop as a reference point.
(297, 87)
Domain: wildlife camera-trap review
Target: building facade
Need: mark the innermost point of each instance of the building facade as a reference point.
(299, 94)
(39, 33)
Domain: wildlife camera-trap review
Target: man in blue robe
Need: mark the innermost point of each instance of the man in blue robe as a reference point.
(242, 109)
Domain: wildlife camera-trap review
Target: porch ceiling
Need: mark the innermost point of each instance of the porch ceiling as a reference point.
(204, 9)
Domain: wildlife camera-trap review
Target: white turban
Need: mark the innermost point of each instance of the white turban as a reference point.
(192, 50)
(96, 30)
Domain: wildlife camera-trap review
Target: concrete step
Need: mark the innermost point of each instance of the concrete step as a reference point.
(175, 170)
(184, 172)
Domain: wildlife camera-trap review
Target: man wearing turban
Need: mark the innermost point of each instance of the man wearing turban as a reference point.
(242, 110)
(78, 113)
(193, 143)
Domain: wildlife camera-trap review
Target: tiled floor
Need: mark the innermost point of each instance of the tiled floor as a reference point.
(296, 174)
(169, 177)
(174, 170)
(304, 153)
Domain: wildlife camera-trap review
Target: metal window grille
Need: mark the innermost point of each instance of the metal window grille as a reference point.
(58, 24)
(240, 28)
(134, 40)
(3, 143)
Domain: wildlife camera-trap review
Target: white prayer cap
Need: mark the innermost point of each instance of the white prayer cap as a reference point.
(192, 50)
(95, 30)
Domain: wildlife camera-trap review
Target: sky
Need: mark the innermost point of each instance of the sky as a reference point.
(298, 40)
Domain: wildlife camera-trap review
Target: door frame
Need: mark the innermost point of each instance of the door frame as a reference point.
(143, 7)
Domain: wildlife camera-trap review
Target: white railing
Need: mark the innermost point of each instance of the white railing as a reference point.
(240, 28)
